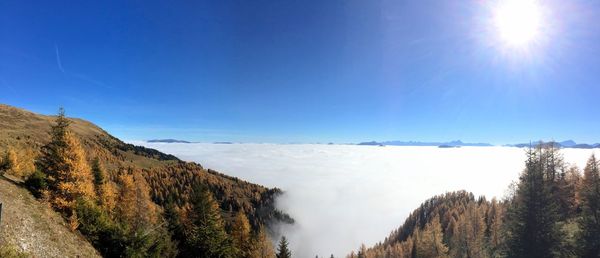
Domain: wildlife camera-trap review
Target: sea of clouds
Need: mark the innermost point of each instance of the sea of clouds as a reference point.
(345, 195)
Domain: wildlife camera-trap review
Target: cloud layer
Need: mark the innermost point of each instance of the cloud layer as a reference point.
(344, 195)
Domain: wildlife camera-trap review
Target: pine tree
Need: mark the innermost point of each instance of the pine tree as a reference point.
(430, 241)
(263, 246)
(105, 190)
(50, 161)
(494, 232)
(107, 197)
(135, 208)
(415, 241)
(470, 236)
(589, 237)
(146, 210)
(68, 174)
(452, 236)
(206, 234)
(98, 172)
(127, 199)
(532, 228)
(568, 183)
(362, 251)
(173, 220)
(282, 249)
(241, 235)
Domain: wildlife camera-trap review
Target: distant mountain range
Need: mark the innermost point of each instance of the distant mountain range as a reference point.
(180, 141)
(450, 144)
(457, 143)
(167, 141)
(563, 144)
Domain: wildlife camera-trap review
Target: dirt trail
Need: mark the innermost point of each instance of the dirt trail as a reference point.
(32, 227)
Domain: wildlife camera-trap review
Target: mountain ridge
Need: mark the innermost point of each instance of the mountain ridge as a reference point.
(167, 141)
(562, 144)
(459, 143)
(455, 143)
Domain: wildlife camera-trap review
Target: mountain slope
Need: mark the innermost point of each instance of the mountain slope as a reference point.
(550, 212)
(27, 132)
(462, 218)
(170, 179)
(33, 228)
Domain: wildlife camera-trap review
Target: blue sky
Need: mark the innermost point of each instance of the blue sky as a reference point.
(303, 71)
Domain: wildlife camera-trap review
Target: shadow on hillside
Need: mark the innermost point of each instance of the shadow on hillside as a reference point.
(14, 180)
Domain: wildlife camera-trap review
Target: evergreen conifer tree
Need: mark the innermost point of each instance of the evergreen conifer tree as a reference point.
(589, 236)
(98, 172)
(282, 250)
(532, 228)
(64, 162)
(206, 234)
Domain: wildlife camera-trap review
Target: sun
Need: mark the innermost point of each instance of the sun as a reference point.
(518, 22)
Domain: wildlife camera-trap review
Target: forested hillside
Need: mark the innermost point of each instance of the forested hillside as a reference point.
(552, 211)
(133, 201)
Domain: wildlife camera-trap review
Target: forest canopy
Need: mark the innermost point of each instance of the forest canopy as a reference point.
(552, 211)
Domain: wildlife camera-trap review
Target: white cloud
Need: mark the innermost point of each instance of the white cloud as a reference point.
(343, 195)
(58, 62)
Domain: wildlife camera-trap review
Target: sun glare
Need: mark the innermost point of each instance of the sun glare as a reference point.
(518, 22)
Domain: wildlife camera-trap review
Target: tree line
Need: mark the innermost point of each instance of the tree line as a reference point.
(552, 211)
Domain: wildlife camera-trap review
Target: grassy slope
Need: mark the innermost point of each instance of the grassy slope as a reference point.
(32, 227)
(22, 129)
